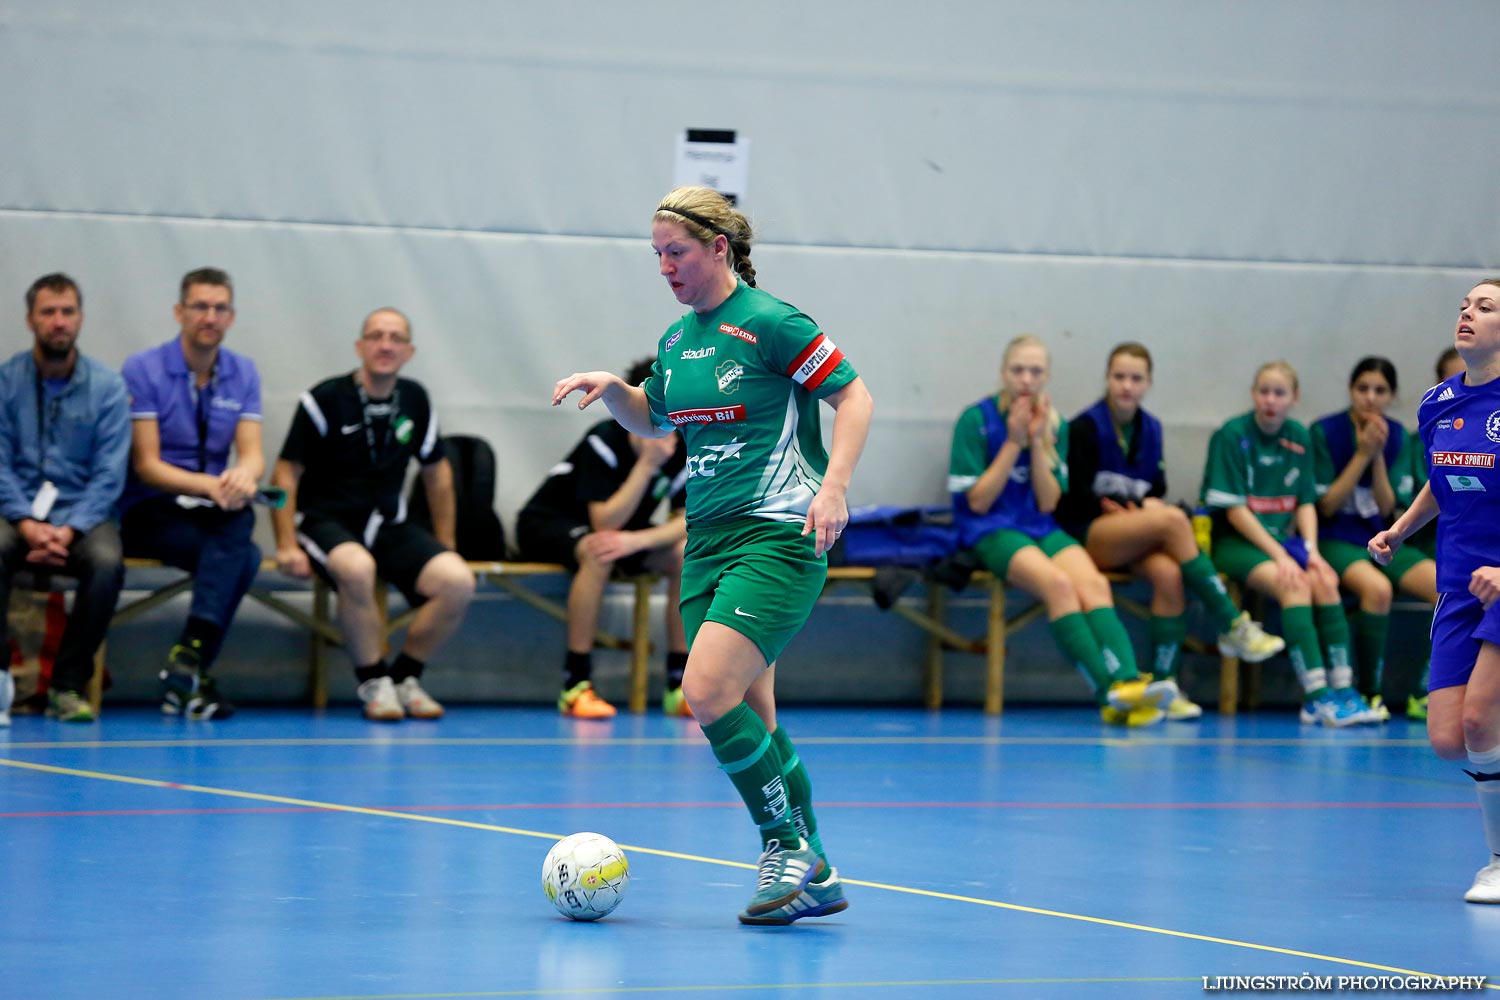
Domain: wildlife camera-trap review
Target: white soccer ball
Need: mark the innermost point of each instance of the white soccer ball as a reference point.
(585, 876)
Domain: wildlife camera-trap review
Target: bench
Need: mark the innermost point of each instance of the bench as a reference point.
(510, 576)
(999, 623)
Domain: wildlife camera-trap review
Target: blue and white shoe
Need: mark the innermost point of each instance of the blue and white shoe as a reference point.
(783, 873)
(1356, 704)
(1327, 709)
(819, 899)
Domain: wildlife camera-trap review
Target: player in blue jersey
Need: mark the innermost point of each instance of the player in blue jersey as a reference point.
(742, 374)
(1007, 472)
(1356, 462)
(1114, 506)
(1459, 420)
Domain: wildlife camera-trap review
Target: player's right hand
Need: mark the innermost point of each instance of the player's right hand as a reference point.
(1383, 546)
(292, 561)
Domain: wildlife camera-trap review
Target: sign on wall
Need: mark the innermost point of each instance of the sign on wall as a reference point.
(714, 158)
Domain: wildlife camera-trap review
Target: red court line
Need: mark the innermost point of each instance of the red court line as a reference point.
(514, 806)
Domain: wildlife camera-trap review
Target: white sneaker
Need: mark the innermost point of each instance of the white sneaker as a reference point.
(1248, 641)
(418, 703)
(7, 696)
(1486, 887)
(381, 704)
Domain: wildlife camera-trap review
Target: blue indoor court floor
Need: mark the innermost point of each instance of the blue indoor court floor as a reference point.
(288, 854)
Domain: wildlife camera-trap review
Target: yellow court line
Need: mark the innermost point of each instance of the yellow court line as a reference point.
(445, 821)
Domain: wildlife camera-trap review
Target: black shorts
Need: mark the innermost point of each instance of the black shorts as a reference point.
(401, 551)
(542, 536)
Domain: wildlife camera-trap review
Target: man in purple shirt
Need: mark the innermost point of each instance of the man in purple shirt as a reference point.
(191, 401)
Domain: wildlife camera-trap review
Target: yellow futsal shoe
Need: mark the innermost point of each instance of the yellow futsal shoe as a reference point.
(1142, 691)
(1416, 708)
(1183, 708)
(1143, 715)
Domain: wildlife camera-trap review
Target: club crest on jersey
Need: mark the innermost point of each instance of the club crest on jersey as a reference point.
(404, 427)
(672, 340)
(1492, 427)
(729, 376)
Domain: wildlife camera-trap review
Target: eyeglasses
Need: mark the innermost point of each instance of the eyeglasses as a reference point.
(376, 336)
(204, 308)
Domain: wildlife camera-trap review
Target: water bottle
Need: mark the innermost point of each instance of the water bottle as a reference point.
(1203, 529)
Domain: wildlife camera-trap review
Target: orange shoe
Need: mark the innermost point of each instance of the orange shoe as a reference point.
(581, 702)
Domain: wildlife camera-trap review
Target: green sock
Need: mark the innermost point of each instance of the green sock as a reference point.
(1333, 630)
(1076, 640)
(1114, 641)
(1167, 635)
(799, 796)
(1302, 646)
(1203, 580)
(1369, 645)
(746, 752)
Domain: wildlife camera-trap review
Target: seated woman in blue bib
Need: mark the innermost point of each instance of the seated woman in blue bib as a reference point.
(1008, 470)
(1114, 507)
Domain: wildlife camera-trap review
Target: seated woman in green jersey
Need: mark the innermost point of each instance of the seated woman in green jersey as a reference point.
(1007, 473)
(1114, 506)
(1356, 453)
(1407, 479)
(744, 376)
(1258, 481)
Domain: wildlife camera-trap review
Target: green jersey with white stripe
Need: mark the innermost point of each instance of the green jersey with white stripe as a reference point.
(742, 383)
(1272, 474)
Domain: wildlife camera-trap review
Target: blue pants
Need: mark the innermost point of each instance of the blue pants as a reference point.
(212, 544)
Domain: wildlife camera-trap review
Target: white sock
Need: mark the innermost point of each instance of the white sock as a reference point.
(1488, 762)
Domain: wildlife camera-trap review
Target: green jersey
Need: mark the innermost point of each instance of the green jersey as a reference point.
(742, 384)
(1272, 474)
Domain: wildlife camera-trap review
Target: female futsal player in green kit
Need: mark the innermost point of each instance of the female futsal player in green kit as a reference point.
(741, 375)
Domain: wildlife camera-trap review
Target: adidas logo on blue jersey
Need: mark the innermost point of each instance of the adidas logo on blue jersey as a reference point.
(1447, 393)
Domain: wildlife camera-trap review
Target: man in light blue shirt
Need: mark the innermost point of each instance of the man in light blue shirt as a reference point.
(64, 441)
(186, 503)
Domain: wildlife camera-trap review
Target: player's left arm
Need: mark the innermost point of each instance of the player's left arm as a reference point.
(437, 481)
(853, 408)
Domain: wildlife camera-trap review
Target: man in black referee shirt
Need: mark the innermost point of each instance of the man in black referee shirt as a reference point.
(343, 468)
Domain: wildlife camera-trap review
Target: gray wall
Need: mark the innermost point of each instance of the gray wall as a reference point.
(1226, 182)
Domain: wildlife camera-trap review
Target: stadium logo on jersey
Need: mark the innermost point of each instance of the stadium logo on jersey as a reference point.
(1447, 393)
(1467, 459)
(1271, 505)
(1492, 427)
(729, 376)
(707, 465)
(693, 354)
(673, 340)
(708, 415)
(1269, 459)
(816, 362)
(735, 331)
(1292, 446)
(1465, 484)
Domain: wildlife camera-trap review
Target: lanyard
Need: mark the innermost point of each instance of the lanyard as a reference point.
(368, 411)
(203, 400)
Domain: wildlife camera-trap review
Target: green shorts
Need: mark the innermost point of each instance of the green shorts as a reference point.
(758, 577)
(999, 547)
(1341, 555)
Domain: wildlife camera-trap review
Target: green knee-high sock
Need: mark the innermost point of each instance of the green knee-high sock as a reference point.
(1119, 655)
(1302, 646)
(799, 796)
(1167, 635)
(1333, 630)
(1077, 642)
(1203, 580)
(1369, 646)
(746, 752)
